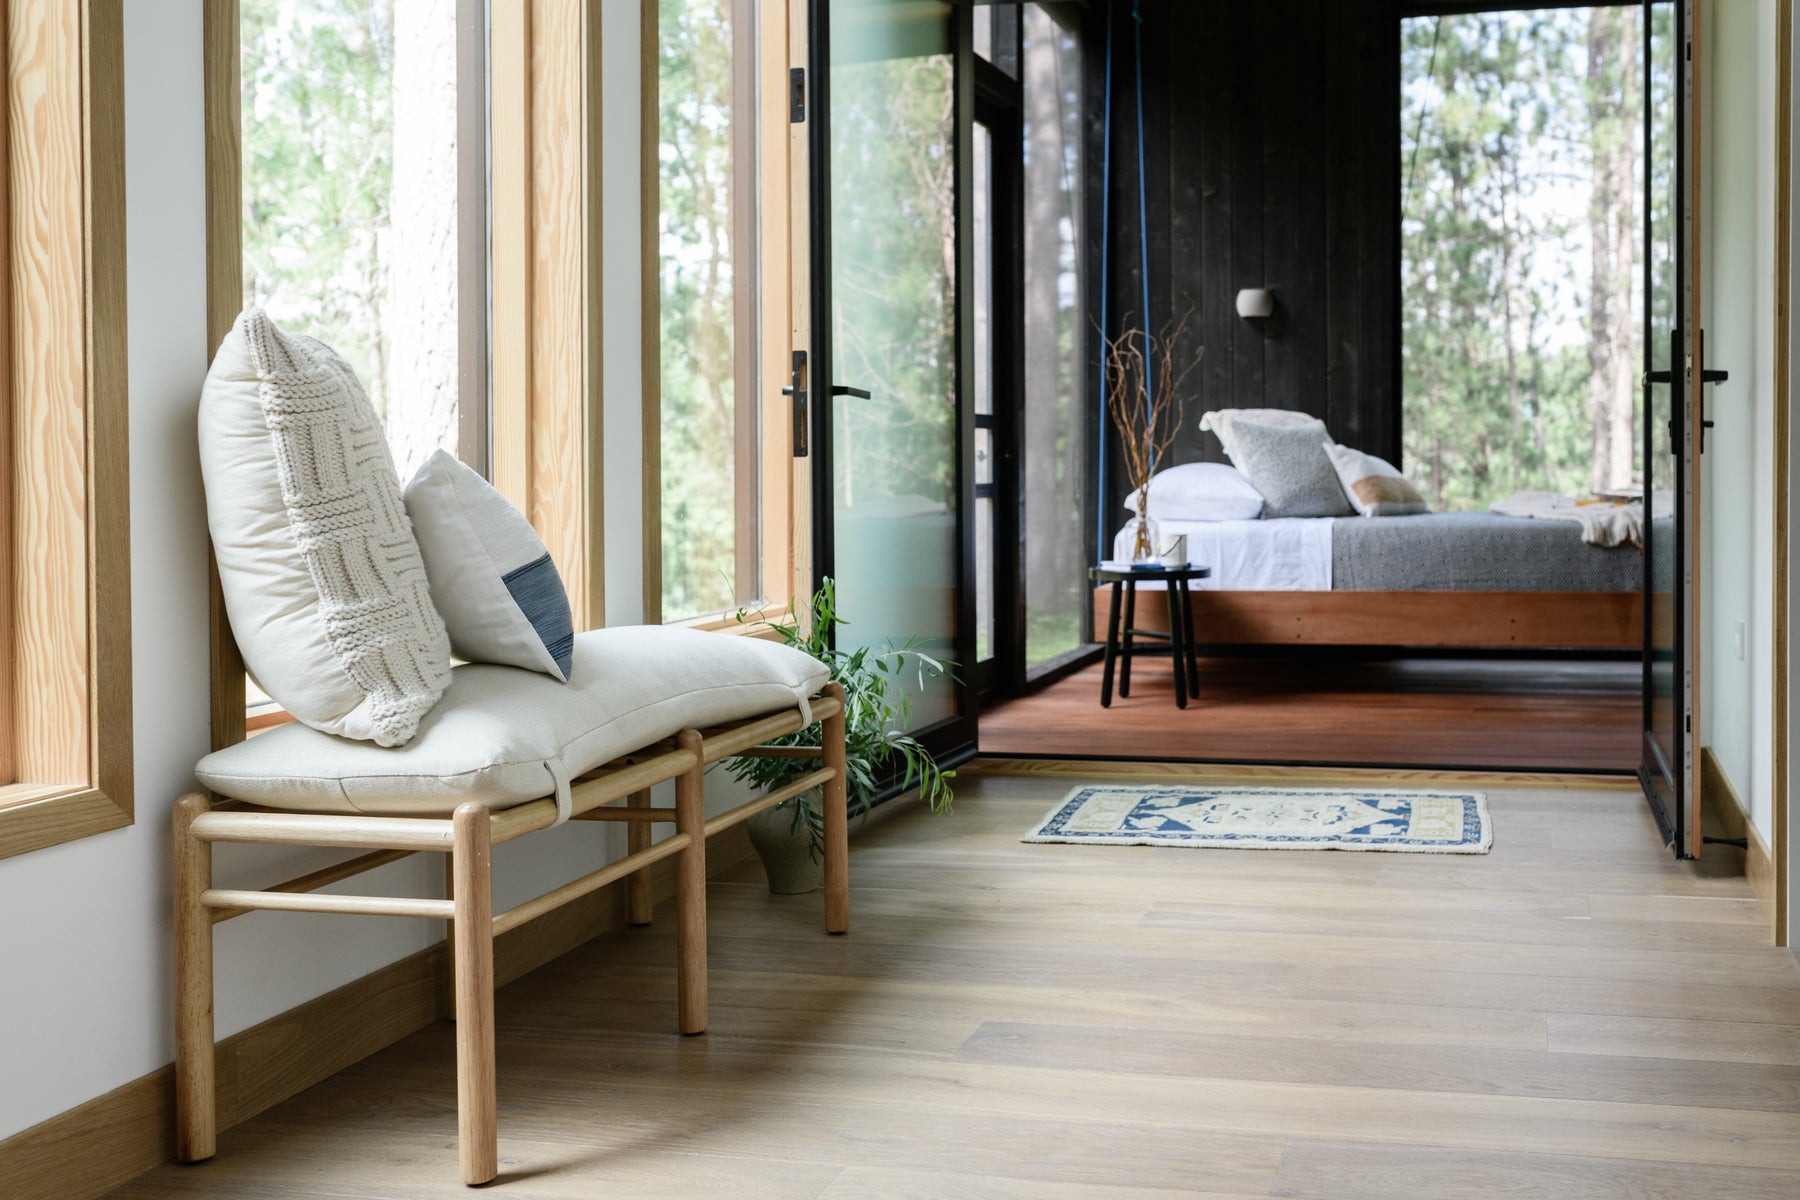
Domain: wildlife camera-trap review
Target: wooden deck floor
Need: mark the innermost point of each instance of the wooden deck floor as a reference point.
(1550, 715)
(1574, 1014)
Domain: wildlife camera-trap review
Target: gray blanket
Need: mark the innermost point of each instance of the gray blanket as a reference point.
(1475, 552)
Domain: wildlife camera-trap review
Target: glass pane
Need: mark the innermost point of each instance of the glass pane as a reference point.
(984, 578)
(982, 194)
(1521, 193)
(708, 207)
(997, 33)
(350, 189)
(893, 230)
(1055, 434)
(1661, 551)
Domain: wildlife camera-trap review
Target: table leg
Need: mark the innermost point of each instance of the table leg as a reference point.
(1187, 638)
(1178, 640)
(1112, 645)
(1125, 637)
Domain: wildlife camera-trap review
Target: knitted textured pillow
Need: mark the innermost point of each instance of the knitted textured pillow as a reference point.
(1288, 465)
(498, 590)
(322, 579)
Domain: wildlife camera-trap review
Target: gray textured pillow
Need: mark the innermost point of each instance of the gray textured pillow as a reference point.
(1289, 466)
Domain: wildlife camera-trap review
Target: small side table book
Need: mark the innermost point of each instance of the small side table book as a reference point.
(1120, 639)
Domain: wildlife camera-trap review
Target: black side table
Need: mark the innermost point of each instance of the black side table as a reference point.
(1180, 637)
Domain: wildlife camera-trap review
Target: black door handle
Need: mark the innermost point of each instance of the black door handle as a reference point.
(838, 389)
(797, 389)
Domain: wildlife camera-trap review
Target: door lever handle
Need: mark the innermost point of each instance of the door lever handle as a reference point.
(838, 389)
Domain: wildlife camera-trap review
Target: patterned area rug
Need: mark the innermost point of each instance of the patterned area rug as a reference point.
(1264, 818)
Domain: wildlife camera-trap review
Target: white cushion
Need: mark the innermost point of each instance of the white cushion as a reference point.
(1374, 485)
(321, 576)
(503, 736)
(491, 578)
(1201, 492)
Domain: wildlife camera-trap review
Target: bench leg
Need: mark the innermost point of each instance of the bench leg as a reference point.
(837, 820)
(196, 1122)
(690, 888)
(477, 1136)
(639, 905)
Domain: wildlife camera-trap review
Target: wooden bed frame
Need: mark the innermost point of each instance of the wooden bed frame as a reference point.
(1473, 620)
(466, 838)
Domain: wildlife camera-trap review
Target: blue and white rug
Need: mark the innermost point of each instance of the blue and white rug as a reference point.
(1271, 818)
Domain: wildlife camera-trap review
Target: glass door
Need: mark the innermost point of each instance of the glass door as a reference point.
(888, 147)
(1675, 377)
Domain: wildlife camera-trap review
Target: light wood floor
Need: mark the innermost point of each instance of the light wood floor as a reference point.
(1573, 1015)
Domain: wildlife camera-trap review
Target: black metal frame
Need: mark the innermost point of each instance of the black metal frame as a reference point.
(1665, 785)
(954, 736)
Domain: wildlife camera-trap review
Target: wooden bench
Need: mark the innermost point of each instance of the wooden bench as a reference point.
(467, 834)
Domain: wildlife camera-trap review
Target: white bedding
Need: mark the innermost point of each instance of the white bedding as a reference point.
(1286, 554)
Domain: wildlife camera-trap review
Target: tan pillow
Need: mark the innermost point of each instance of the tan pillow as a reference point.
(1374, 486)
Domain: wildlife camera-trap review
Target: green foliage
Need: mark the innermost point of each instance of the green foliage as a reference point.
(699, 261)
(318, 140)
(1503, 120)
(876, 708)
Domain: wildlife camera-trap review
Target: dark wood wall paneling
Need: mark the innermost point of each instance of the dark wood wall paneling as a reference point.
(1271, 159)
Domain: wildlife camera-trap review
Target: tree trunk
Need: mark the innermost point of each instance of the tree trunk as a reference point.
(1612, 123)
(422, 366)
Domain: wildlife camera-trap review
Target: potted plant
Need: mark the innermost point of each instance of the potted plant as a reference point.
(789, 838)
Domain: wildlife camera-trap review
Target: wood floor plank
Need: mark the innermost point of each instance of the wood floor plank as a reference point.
(1554, 715)
(879, 1183)
(1049, 1021)
(1352, 1171)
(1675, 1037)
(1188, 1051)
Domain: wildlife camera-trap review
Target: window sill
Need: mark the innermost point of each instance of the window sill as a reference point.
(754, 623)
(35, 815)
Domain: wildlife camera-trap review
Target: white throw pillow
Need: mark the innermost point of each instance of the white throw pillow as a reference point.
(1374, 485)
(1225, 422)
(322, 579)
(1287, 463)
(491, 578)
(1201, 492)
(504, 736)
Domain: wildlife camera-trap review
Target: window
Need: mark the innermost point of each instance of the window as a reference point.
(65, 700)
(1521, 234)
(722, 442)
(351, 198)
(418, 184)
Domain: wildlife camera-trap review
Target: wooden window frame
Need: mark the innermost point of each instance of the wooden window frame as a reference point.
(65, 625)
(541, 371)
(782, 525)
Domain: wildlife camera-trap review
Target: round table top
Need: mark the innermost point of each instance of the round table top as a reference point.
(1157, 572)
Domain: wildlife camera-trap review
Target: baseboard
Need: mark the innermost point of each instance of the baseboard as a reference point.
(1734, 818)
(110, 1140)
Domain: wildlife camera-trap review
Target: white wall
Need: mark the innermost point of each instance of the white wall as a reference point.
(1737, 167)
(85, 987)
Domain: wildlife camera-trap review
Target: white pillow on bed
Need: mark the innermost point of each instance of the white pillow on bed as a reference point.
(1225, 422)
(1201, 492)
(1374, 485)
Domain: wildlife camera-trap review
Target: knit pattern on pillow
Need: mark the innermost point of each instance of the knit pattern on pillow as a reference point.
(348, 523)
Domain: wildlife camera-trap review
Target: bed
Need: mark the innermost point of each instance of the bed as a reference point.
(1465, 579)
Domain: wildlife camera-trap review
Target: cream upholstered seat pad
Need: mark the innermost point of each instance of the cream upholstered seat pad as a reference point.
(504, 735)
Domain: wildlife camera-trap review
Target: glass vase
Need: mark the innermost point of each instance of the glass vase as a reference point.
(1143, 539)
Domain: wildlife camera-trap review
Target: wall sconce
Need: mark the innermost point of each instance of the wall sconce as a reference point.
(1256, 303)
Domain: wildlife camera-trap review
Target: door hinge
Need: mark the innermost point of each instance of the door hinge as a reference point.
(797, 95)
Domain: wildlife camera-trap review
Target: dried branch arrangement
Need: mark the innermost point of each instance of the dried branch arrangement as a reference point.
(1147, 417)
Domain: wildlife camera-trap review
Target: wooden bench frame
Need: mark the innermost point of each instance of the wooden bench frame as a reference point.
(467, 837)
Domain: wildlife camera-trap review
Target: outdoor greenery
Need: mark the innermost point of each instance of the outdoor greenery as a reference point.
(318, 163)
(1521, 245)
(702, 269)
(877, 707)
